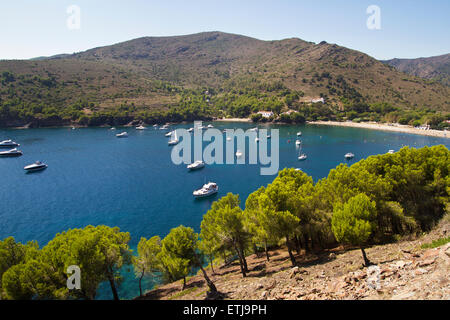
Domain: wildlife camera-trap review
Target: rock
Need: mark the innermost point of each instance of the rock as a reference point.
(298, 277)
(400, 264)
(427, 262)
(420, 271)
(403, 296)
(332, 256)
(271, 284)
(294, 271)
(430, 253)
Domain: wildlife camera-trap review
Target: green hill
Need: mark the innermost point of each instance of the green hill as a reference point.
(162, 73)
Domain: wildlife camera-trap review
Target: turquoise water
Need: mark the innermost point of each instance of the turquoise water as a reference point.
(95, 178)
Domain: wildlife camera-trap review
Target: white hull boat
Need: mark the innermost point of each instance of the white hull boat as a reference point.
(37, 166)
(8, 144)
(11, 153)
(196, 165)
(122, 135)
(207, 190)
(349, 156)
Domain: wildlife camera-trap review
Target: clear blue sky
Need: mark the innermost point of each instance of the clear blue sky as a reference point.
(409, 29)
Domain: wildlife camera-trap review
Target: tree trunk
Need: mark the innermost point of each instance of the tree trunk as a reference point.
(297, 244)
(305, 240)
(140, 283)
(113, 288)
(184, 284)
(267, 251)
(211, 285)
(288, 244)
(366, 261)
(211, 262)
(241, 248)
(241, 263)
(255, 250)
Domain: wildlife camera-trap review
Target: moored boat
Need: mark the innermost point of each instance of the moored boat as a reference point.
(122, 135)
(11, 153)
(196, 165)
(37, 166)
(208, 189)
(349, 156)
(8, 144)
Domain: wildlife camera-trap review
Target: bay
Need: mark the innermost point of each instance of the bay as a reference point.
(94, 178)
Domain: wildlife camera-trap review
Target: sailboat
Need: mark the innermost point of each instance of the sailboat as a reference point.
(302, 156)
(175, 140)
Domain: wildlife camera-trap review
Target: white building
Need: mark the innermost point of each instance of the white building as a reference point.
(266, 114)
(318, 100)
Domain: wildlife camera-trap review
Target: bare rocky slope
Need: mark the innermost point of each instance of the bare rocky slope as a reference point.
(437, 67)
(402, 270)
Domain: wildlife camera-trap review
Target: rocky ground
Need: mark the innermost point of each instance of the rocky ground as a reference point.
(401, 271)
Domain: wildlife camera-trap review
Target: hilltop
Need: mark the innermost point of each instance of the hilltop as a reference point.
(437, 67)
(158, 73)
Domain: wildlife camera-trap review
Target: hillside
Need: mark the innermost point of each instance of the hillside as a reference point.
(407, 272)
(437, 68)
(151, 73)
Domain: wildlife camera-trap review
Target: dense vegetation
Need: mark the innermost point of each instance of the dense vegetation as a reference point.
(377, 200)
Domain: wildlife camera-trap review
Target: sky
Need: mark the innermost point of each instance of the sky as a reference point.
(408, 28)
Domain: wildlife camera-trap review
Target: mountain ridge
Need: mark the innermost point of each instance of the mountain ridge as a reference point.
(151, 72)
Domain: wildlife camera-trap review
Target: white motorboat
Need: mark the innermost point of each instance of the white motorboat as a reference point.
(228, 139)
(269, 137)
(190, 130)
(253, 129)
(164, 127)
(210, 126)
(298, 142)
(349, 156)
(299, 134)
(391, 151)
(256, 139)
(196, 165)
(141, 127)
(302, 157)
(207, 190)
(11, 153)
(238, 154)
(112, 128)
(37, 166)
(73, 128)
(122, 135)
(168, 134)
(174, 140)
(8, 144)
(155, 125)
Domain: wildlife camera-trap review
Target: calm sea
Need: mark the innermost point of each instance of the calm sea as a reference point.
(95, 178)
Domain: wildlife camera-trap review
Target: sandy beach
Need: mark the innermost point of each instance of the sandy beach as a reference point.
(233, 120)
(383, 126)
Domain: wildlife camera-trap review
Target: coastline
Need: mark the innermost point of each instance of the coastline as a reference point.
(233, 120)
(384, 127)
